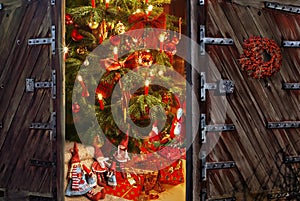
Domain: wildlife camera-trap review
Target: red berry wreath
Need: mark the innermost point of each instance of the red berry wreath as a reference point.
(261, 57)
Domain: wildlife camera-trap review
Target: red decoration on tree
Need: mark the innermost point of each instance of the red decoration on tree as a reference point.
(69, 19)
(75, 107)
(93, 4)
(115, 40)
(76, 36)
(85, 92)
(261, 57)
(140, 21)
(145, 58)
(175, 40)
(100, 99)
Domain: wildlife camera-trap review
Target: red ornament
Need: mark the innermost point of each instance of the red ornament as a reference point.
(175, 40)
(76, 36)
(145, 59)
(69, 19)
(100, 39)
(115, 40)
(75, 107)
(170, 48)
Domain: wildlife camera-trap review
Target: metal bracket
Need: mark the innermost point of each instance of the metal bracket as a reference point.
(43, 41)
(277, 6)
(287, 43)
(40, 163)
(292, 159)
(52, 2)
(284, 124)
(201, 2)
(213, 128)
(222, 87)
(31, 84)
(291, 86)
(213, 165)
(203, 194)
(289, 195)
(223, 199)
(220, 165)
(211, 41)
(1, 6)
(45, 126)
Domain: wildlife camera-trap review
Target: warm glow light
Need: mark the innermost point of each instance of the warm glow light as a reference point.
(106, 1)
(150, 7)
(100, 96)
(161, 37)
(65, 49)
(115, 50)
(147, 82)
(79, 77)
(138, 10)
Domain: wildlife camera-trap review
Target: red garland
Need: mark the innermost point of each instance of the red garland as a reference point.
(252, 59)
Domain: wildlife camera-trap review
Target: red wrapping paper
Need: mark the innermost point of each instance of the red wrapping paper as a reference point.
(124, 189)
(172, 174)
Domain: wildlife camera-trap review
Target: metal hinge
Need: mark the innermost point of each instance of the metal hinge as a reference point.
(201, 2)
(211, 41)
(224, 199)
(31, 84)
(47, 126)
(213, 128)
(284, 124)
(287, 8)
(1, 6)
(291, 86)
(203, 194)
(292, 159)
(221, 87)
(43, 41)
(213, 165)
(289, 195)
(52, 2)
(294, 44)
(40, 163)
(1, 125)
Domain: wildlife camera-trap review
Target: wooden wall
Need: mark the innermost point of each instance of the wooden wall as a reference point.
(258, 152)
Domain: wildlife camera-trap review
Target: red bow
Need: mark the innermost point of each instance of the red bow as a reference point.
(140, 21)
(110, 64)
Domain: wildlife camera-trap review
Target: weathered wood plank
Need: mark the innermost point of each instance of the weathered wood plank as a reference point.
(25, 108)
(252, 104)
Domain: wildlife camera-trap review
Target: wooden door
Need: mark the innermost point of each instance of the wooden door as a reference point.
(263, 150)
(30, 100)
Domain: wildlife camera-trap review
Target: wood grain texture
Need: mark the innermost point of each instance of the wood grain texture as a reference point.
(20, 21)
(257, 151)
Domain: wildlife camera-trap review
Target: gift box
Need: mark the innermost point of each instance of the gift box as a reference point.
(125, 189)
(172, 174)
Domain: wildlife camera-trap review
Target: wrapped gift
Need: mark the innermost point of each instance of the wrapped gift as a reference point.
(125, 189)
(172, 174)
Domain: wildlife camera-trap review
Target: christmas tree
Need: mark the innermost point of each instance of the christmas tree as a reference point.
(138, 95)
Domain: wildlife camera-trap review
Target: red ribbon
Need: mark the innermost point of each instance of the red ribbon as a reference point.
(141, 21)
